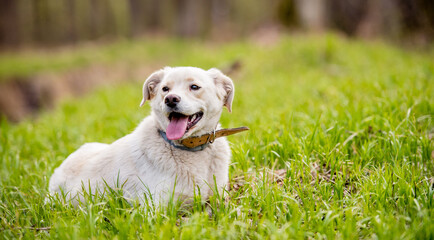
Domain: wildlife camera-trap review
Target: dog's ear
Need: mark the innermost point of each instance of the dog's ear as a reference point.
(150, 85)
(225, 87)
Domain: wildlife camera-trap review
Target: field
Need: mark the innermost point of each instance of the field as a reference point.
(340, 144)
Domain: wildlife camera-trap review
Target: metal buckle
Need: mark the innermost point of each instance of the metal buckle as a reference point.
(209, 140)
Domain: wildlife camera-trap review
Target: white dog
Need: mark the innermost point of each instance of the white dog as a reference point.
(176, 150)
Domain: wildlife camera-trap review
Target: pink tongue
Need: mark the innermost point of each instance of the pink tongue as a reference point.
(176, 128)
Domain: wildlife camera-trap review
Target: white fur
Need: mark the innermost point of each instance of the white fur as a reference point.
(142, 161)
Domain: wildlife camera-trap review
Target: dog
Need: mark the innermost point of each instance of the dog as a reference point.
(175, 152)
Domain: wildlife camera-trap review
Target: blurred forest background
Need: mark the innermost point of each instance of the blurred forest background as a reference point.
(35, 74)
(59, 22)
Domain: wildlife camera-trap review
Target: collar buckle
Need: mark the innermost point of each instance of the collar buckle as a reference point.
(211, 137)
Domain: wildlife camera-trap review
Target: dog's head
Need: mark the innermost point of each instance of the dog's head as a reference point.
(188, 101)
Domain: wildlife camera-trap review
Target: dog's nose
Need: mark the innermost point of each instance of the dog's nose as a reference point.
(172, 100)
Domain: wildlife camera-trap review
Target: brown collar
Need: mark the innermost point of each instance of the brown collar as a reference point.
(193, 142)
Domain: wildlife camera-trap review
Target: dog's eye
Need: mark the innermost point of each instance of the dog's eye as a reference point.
(165, 89)
(194, 87)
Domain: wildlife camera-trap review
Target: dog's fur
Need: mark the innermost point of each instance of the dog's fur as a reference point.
(143, 162)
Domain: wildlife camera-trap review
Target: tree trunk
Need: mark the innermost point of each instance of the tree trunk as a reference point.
(9, 23)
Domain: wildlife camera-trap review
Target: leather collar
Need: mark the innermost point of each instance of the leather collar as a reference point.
(199, 143)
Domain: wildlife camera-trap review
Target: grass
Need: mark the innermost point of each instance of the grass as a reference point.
(349, 122)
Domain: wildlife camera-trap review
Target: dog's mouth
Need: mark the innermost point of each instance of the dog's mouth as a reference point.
(179, 124)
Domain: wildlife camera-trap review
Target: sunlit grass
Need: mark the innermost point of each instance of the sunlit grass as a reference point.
(350, 122)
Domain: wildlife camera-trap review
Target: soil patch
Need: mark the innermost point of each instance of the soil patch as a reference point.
(21, 97)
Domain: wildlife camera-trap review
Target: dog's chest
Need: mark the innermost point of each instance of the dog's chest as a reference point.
(174, 163)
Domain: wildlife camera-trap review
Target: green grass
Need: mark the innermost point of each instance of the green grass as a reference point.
(29, 62)
(350, 121)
